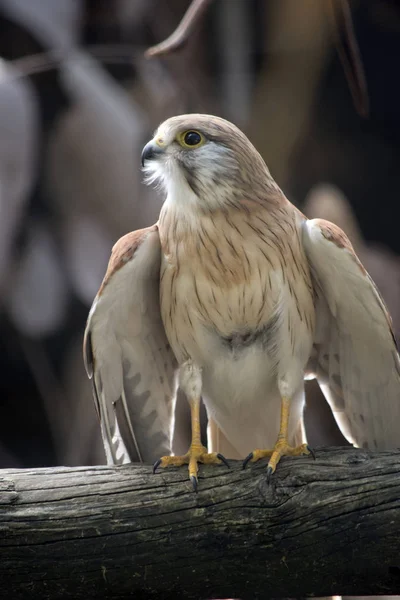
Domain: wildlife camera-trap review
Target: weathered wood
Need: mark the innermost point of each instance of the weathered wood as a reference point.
(330, 526)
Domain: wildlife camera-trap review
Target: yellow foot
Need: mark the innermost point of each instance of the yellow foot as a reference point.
(281, 449)
(195, 455)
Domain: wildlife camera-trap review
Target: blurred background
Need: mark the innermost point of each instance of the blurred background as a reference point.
(78, 100)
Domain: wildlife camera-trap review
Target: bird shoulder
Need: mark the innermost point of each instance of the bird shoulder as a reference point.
(123, 251)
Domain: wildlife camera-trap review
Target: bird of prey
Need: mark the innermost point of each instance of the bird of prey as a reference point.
(236, 297)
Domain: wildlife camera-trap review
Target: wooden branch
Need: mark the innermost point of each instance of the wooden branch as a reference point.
(180, 36)
(349, 54)
(324, 527)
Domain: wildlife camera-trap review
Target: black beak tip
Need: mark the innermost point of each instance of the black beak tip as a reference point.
(144, 154)
(149, 152)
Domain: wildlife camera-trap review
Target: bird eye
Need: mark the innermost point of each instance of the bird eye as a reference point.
(191, 139)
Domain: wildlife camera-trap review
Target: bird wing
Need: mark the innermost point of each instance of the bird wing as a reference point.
(354, 357)
(127, 355)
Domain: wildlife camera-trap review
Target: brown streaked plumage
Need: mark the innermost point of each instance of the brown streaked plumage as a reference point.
(241, 296)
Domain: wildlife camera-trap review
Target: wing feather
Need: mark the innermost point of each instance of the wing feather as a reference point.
(127, 355)
(355, 358)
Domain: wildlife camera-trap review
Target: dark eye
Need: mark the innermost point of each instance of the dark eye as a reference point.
(192, 138)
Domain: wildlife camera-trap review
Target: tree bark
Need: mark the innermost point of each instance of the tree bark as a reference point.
(324, 527)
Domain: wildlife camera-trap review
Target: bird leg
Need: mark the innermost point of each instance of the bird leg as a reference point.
(190, 382)
(282, 447)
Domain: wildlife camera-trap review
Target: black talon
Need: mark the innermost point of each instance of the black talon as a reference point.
(247, 459)
(221, 457)
(156, 465)
(269, 473)
(311, 451)
(193, 479)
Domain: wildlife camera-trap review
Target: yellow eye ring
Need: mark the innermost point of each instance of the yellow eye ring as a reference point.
(191, 139)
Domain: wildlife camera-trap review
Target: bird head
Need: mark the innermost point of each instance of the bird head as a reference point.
(204, 159)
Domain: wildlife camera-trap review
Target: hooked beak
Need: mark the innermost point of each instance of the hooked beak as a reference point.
(151, 151)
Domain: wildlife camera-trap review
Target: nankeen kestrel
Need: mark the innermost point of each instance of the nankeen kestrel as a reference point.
(242, 297)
